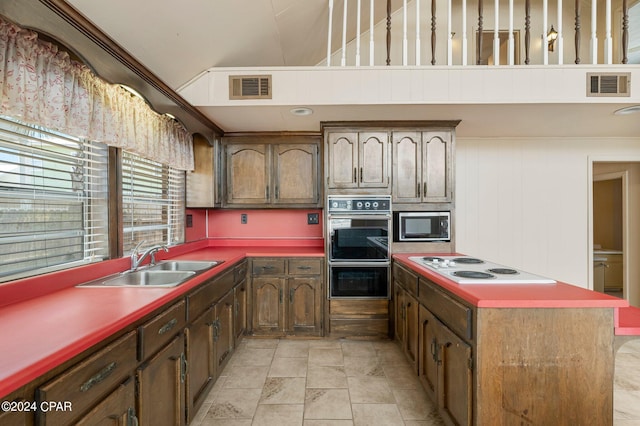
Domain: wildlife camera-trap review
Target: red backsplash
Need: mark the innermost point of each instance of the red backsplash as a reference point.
(261, 224)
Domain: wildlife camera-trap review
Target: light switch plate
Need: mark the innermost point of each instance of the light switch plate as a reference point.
(313, 218)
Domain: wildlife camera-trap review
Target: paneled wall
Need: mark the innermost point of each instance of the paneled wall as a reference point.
(525, 202)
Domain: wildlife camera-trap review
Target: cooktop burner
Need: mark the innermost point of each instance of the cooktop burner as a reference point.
(467, 260)
(472, 274)
(471, 270)
(503, 271)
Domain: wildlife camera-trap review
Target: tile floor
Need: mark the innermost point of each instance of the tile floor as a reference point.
(345, 382)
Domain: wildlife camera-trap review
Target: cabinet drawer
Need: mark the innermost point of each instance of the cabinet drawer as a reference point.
(268, 266)
(209, 293)
(89, 381)
(451, 312)
(406, 279)
(155, 333)
(240, 272)
(305, 266)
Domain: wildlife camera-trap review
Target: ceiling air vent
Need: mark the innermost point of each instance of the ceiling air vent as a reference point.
(600, 84)
(249, 87)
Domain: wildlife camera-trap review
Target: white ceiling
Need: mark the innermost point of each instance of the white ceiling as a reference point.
(179, 40)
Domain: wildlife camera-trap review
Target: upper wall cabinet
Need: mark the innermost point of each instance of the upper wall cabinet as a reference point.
(422, 166)
(202, 184)
(358, 160)
(271, 171)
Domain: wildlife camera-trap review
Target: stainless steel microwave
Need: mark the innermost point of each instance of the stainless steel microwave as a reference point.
(421, 226)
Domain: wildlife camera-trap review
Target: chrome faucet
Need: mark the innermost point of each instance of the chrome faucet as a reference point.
(137, 258)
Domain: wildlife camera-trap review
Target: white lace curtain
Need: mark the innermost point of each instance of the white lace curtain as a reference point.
(41, 85)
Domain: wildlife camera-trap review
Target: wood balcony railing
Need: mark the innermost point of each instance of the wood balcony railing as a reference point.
(521, 32)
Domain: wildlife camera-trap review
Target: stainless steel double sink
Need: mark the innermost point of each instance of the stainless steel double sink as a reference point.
(169, 273)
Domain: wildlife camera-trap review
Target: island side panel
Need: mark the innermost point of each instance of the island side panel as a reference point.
(545, 366)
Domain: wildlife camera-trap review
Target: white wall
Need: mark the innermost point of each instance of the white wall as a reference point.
(525, 202)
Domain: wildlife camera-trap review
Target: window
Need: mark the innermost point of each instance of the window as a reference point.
(634, 34)
(153, 203)
(53, 200)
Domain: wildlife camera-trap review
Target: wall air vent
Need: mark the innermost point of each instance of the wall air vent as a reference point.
(249, 87)
(603, 84)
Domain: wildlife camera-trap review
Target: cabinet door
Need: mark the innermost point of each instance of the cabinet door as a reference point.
(343, 159)
(428, 352)
(201, 182)
(240, 316)
(295, 174)
(454, 377)
(304, 308)
(411, 330)
(407, 167)
(247, 174)
(436, 171)
(224, 332)
(200, 357)
(399, 313)
(117, 409)
(373, 171)
(267, 296)
(161, 386)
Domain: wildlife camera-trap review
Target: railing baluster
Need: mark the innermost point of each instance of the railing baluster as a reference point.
(343, 62)
(625, 31)
(479, 39)
(405, 42)
(560, 40)
(511, 44)
(464, 33)
(418, 47)
(433, 32)
(608, 43)
(594, 31)
(388, 32)
(449, 35)
(543, 37)
(527, 30)
(329, 31)
(496, 33)
(371, 42)
(358, 33)
(577, 31)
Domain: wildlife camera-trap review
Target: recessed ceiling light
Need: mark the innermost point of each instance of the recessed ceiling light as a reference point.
(627, 110)
(301, 111)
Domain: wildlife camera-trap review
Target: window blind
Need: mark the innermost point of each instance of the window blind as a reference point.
(53, 200)
(153, 203)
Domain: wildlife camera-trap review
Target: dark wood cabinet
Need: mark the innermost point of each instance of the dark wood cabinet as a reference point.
(287, 296)
(270, 171)
(201, 361)
(357, 159)
(203, 182)
(406, 324)
(161, 386)
(117, 409)
(224, 333)
(422, 166)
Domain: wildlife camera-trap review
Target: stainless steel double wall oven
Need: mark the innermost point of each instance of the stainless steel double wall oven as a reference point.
(357, 246)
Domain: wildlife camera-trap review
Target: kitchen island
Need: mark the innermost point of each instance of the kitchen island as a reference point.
(504, 354)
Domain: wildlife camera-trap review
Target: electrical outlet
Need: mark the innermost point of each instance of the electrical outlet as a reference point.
(243, 218)
(189, 221)
(313, 218)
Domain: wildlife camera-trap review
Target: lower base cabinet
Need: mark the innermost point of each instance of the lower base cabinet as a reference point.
(161, 392)
(115, 410)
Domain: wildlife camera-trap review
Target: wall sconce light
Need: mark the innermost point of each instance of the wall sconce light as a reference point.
(552, 36)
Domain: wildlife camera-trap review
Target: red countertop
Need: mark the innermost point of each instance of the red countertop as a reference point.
(49, 328)
(559, 295)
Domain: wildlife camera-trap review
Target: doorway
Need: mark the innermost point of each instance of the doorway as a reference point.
(609, 230)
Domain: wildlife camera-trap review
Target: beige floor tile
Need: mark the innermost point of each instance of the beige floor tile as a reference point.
(415, 405)
(328, 423)
(288, 367)
(626, 405)
(283, 390)
(325, 356)
(246, 377)
(327, 404)
(252, 356)
(326, 376)
(292, 349)
(376, 415)
(261, 343)
(357, 366)
(358, 349)
(278, 415)
(370, 390)
(234, 404)
(325, 343)
(224, 422)
(401, 377)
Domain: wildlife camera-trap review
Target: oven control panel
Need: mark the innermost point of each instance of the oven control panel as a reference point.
(369, 204)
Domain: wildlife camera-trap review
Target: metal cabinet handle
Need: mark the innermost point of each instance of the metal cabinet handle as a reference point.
(280, 295)
(98, 377)
(168, 326)
(424, 192)
(418, 185)
(355, 174)
(132, 420)
(267, 193)
(360, 174)
(434, 350)
(277, 192)
(291, 291)
(216, 330)
(304, 268)
(183, 367)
